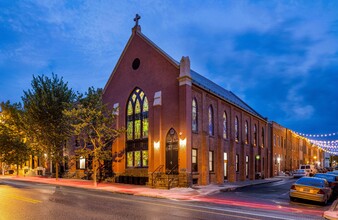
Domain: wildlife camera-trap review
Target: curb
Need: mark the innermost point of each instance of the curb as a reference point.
(253, 184)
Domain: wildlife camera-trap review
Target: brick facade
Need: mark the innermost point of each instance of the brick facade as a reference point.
(170, 89)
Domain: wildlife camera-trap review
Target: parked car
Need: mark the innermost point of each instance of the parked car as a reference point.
(309, 168)
(335, 172)
(332, 213)
(331, 179)
(311, 188)
(300, 173)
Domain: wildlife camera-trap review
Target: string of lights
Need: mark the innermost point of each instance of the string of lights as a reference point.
(329, 146)
(317, 135)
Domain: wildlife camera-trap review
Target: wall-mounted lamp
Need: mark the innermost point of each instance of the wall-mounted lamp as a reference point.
(278, 159)
(156, 145)
(183, 143)
(258, 157)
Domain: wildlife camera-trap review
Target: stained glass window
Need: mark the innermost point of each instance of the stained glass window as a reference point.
(225, 136)
(145, 158)
(211, 120)
(145, 105)
(137, 158)
(145, 128)
(137, 107)
(130, 108)
(130, 159)
(137, 129)
(194, 116)
(134, 97)
(130, 130)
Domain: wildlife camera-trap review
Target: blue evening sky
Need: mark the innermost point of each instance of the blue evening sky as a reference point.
(281, 57)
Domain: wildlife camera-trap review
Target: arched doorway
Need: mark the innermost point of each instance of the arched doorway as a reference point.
(171, 152)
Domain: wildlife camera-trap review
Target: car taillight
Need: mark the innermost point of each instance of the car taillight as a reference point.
(293, 187)
(333, 184)
(320, 191)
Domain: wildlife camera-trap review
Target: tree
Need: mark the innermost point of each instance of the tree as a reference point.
(93, 125)
(13, 146)
(43, 106)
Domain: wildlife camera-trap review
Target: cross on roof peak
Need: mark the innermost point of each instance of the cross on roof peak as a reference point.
(137, 17)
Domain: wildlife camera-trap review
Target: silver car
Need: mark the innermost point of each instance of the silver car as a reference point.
(300, 173)
(311, 188)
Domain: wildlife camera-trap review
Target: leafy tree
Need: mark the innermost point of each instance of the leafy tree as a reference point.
(93, 125)
(13, 146)
(43, 106)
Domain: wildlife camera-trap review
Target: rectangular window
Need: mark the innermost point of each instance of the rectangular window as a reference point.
(237, 163)
(145, 128)
(211, 161)
(274, 140)
(225, 157)
(145, 158)
(279, 141)
(82, 163)
(137, 129)
(137, 158)
(130, 159)
(194, 160)
(130, 130)
(247, 166)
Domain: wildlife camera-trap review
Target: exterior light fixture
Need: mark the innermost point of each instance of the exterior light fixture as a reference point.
(156, 145)
(183, 143)
(258, 157)
(278, 159)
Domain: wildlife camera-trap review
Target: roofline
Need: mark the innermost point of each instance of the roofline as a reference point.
(257, 116)
(118, 62)
(135, 31)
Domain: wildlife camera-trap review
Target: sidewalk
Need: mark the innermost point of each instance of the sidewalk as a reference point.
(137, 190)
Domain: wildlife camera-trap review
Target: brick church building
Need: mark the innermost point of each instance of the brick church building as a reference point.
(181, 128)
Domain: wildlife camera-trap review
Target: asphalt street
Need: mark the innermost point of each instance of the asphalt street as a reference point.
(25, 200)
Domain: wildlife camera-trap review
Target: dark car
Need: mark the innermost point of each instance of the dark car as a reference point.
(331, 179)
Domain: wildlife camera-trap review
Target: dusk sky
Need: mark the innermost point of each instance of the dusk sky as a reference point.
(280, 57)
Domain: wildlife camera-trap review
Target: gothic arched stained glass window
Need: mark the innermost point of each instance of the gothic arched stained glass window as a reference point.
(137, 129)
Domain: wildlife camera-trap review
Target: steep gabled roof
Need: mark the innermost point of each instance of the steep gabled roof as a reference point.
(137, 31)
(197, 79)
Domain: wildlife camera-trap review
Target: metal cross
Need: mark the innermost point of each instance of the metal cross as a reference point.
(137, 17)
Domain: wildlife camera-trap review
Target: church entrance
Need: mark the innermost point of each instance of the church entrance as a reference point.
(172, 152)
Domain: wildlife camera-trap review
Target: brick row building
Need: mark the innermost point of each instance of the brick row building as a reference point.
(184, 129)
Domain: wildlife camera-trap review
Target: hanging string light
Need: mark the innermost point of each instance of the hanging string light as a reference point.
(329, 146)
(317, 135)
